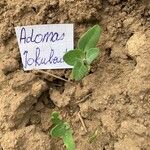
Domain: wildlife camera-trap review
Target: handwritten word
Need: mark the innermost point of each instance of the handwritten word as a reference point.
(43, 46)
(40, 38)
(38, 60)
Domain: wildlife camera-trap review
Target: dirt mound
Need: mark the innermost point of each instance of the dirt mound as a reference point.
(113, 100)
(26, 138)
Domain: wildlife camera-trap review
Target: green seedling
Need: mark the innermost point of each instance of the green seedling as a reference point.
(85, 53)
(62, 130)
(93, 136)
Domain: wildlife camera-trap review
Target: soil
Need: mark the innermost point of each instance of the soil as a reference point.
(113, 100)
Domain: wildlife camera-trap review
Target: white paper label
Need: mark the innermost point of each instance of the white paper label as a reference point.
(43, 46)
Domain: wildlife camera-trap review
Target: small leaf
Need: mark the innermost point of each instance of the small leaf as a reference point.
(56, 119)
(90, 38)
(67, 126)
(62, 130)
(93, 136)
(68, 140)
(72, 56)
(91, 55)
(79, 70)
(58, 131)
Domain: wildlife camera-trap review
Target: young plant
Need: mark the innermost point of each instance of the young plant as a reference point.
(85, 53)
(62, 130)
(93, 136)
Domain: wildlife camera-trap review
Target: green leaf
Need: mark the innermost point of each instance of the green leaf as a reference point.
(62, 130)
(93, 136)
(90, 38)
(79, 70)
(91, 55)
(72, 56)
(58, 131)
(56, 119)
(68, 140)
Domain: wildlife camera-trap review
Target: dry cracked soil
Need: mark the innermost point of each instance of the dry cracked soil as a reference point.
(113, 100)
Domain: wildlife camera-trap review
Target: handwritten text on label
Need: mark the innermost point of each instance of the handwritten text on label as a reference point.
(43, 46)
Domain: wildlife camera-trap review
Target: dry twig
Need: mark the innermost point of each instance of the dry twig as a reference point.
(50, 74)
(84, 98)
(82, 122)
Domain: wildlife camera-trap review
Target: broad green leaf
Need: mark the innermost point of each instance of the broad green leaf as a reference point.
(72, 56)
(79, 70)
(62, 130)
(68, 140)
(58, 131)
(90, 38)
(91, 55)
(56, 119)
